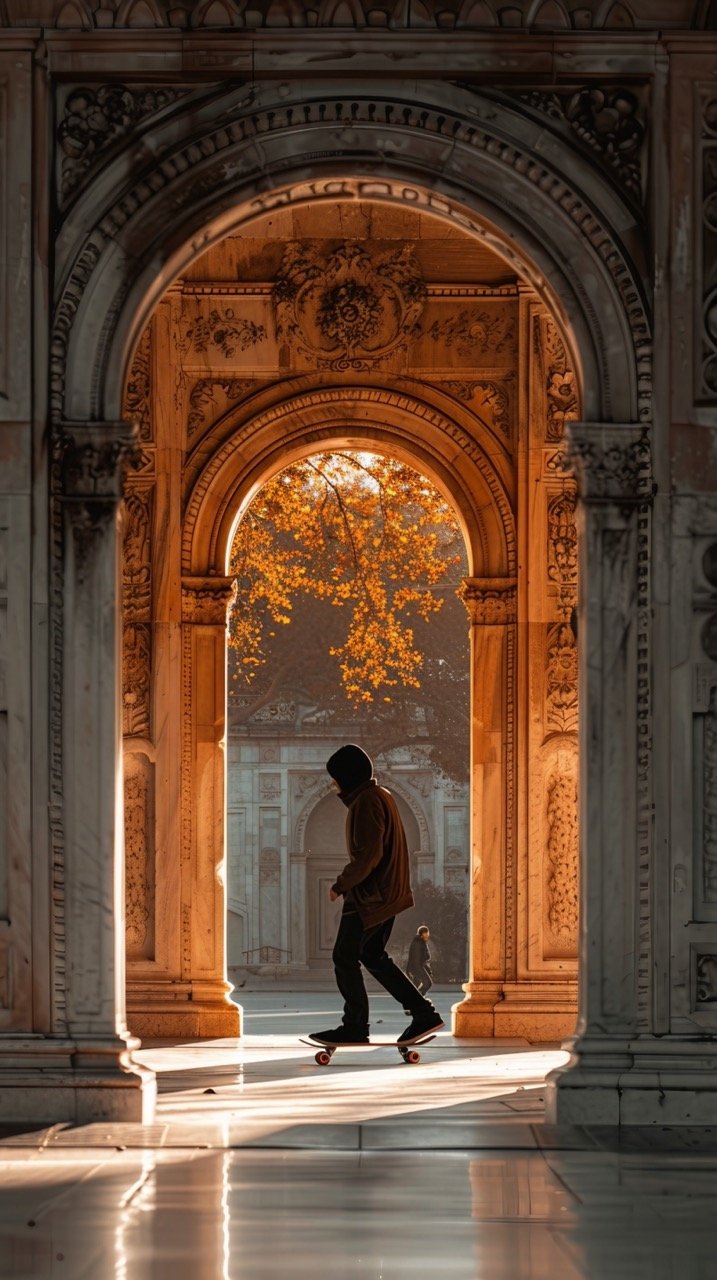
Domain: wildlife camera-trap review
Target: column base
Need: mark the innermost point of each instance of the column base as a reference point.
(669, 1080)
(174, 1010)
(537, 1011)
(45, 1080)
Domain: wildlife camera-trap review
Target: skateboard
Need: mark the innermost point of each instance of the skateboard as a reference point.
(408, 1052)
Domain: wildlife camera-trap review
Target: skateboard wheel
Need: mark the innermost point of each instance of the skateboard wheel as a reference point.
(323, 1058)
(412, 1056)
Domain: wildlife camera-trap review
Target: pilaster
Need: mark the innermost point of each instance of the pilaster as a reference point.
(613, 1060)
(84, 1069)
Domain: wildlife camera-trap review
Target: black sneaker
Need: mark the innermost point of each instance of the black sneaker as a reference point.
(339, 1035)
(425, 1024)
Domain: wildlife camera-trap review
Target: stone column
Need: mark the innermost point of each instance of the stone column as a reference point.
(100, 1081)
(491, 604)
(615, 491)
(205, 602)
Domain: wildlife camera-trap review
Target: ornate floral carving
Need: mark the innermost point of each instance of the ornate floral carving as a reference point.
(563, 547)
(476, 331)
(281, 712)
(562, 857)
(136, 680)
(95, 457)
(97, 117)
(347, 310)
(206, 600)
(561, 710)
(613, 462)
(607, 120)
(707, 383)
(204, 393)
(139, 853)
(223, 331)
(489, 601)
(137, 400)
(496, 398)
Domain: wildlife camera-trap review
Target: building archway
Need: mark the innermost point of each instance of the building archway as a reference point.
(558, 213)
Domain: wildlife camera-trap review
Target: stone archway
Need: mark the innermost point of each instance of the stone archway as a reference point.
(476, 164)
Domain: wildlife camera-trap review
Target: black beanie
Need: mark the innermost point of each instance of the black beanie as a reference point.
(350, 766)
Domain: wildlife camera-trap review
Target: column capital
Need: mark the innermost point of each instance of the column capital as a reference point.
(489, 601)
(613, 461)
(206, 600)
(94, 458)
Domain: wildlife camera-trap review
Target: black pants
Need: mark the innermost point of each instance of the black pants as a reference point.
(356, 946)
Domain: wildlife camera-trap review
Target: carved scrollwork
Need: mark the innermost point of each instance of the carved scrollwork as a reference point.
(707, 348)
(563, 547)
(137, 401)
(347, 310)
(489, 601)
(474, 330)
(222, 331)
(613, 462)
(607, 120)
(136, 680)
(139, 852)
(204, 395)
(206, 601)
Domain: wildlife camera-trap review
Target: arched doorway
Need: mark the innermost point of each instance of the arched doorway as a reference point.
(592, 293)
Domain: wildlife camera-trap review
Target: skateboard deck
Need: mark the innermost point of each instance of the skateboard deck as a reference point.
(409, 1052)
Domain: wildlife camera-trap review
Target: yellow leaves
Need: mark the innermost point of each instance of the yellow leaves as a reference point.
(361, 531)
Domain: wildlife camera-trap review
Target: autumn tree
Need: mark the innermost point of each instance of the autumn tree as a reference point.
(347, 566)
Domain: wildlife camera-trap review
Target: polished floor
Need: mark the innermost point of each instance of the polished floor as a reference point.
(263, 1165)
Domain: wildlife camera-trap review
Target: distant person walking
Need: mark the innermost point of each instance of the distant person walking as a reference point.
(418, 967)
(375, 886)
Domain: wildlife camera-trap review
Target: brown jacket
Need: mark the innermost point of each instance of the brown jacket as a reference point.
(377, 875)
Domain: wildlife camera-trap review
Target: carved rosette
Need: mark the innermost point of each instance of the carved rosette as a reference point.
(613, 462)
(489, 601)
(206, 601)
(348, 310)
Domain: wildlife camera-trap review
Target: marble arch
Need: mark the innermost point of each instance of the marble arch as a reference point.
(205, 167)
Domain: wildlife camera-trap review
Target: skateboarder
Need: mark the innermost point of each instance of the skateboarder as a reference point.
(375, 886)
(418, 966)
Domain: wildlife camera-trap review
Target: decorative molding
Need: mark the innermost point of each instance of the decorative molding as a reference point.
(613, 462)
(187, 16)
(137, 680)
(489, 601)
(136, 555)
(496, 397)
(561, 673)
(608, 120)
(347, 309)
(706, 973)
(98, 117)
(206, 601)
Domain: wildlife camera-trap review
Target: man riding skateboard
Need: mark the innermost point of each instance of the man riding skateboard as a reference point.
(375, 886)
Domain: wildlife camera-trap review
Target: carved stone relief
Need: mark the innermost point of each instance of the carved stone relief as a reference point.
(495, 399)
(563, 548)
(138, 392)
(489, 601)
(706, 966)
(562, 858)
(347, 309)
(136, 680)
(139, 854)
(561, 703)
(204, 399)
(222, 332)
(474, 331)
(95, 118)
(608, 120)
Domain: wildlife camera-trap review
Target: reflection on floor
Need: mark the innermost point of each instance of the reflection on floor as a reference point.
(264, 1165)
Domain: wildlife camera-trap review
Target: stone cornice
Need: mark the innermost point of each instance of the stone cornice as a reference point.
(489, 601)
(613, 461)
(205, 601)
